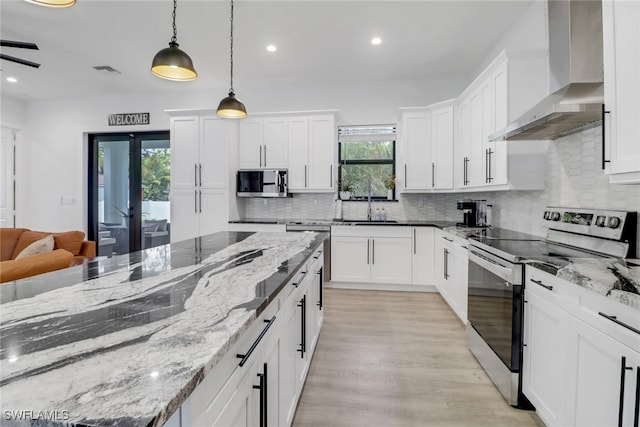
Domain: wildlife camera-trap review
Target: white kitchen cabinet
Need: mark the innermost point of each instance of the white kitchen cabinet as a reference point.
(621, 127)
(371, 254)
(263, 143)
(451, 271)
(505, 89)
(199, 175)
(573, 364)
(544, 354)
(311, 153)
(594, 377)
(241, 407)
(416, 129)
(422, 256)
(442, 146)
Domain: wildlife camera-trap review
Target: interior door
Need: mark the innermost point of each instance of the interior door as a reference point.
(129, 181)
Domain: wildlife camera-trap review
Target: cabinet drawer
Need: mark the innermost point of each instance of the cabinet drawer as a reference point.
(371, 231)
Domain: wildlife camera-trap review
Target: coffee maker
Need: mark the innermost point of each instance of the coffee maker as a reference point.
(473, 212)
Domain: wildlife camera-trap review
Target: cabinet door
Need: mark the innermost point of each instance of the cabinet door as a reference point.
(498, 161)
(488, 148)
(422, 256)
(288, 354)
(594, 377)
(475, 164)
(442, 148)
(390, 260)
(545, 352)
(463, 148)
(302, 358)
(212, 208)
(276, 142)
(350, 259)
(298, 153)
(415, 138)
(621, 38)
(321, 152)
(457, 281)
(242, 408)
(439, 259)
(185, 133)
(213, 166)
(271, 368)
(184, 214)
(250, 144)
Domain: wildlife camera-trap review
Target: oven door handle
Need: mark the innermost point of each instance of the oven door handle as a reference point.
(499, 270)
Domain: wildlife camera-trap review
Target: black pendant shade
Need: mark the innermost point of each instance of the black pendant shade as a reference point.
(231, 107)
(172, 63)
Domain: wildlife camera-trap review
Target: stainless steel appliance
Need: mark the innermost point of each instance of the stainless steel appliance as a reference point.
(496, 287)
(262, 183)
(317, 226)
(473, 212)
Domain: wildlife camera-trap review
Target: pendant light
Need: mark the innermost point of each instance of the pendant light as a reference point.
(171, 63)
(53, 3)
(231, 107)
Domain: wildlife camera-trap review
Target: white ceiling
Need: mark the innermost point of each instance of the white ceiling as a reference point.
(318, 42)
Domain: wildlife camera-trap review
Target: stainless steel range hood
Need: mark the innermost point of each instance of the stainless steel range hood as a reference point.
(575, 75)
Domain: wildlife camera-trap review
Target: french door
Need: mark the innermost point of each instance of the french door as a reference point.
(129, 181)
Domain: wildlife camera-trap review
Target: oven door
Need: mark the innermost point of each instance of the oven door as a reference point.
(495, 304)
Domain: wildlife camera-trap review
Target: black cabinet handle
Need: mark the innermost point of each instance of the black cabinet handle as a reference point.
(200, 201)
(368, 256)
(614, 319)
(246, 356)
(195, 174)
(489, 176)
(433, 174)
(321, 274)
(447, 239)
(636, 416)
(305, 176)
(318, 255)
(297, 283)
(623, 369)
(539, 282)
(414, 241)
(405, 176)
(263, 396)
(303, 323)
(200, 174)
(373, 251)
(604, 113)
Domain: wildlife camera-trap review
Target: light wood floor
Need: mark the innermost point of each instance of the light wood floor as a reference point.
(398, 359)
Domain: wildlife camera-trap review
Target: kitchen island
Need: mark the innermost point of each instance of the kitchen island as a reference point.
(126, 340)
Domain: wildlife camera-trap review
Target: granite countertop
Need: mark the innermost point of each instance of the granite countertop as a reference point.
(124, 341)
(614, 278)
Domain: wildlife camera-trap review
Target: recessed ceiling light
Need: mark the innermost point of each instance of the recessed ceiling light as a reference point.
(376, 40)
(12, 80)
(272, 48)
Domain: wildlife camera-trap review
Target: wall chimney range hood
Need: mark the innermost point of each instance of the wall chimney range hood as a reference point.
(575, 76)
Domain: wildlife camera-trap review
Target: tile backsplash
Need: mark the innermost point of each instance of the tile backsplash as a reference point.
(574, 179)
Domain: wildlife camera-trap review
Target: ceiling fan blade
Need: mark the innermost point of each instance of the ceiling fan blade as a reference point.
(20, 45)
(19, 61)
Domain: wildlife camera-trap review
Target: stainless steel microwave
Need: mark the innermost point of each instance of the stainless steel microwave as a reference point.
(261, 183)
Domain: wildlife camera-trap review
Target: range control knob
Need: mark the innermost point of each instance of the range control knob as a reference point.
(546, 215)
(601, 221)
(614, 222)
(555, 216)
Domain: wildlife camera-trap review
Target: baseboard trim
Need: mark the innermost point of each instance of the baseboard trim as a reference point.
(381, 286)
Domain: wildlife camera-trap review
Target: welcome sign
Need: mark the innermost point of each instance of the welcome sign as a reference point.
(129, 119)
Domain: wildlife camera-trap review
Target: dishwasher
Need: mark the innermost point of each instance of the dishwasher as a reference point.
(320, 227)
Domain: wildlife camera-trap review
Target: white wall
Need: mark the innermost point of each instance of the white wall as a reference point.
(56, 130)
(13, 115)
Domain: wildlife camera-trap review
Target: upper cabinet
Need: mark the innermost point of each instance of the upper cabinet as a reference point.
(621, 126)
(510, 84)
(263, 143)
(312, 143)
(427, 147)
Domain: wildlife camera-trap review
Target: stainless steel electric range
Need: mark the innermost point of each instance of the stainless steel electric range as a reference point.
(496, 280)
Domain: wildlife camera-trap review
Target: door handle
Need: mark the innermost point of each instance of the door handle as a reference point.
(623, 370)
(405, 176)
(320, 291)
(414, 241)
(262, 386)
(265, 155)
(303, 324)
(373, 251)
(305, 176)
(433, 174)
(539, 282)
(636, 416)
(200, 201)
(446, 264)
(200, 174)
(489, 170)
(195, 174)
(195, 201)
(604, 113)
(368, 256)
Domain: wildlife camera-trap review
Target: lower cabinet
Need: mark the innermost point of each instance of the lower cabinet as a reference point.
(580, 368)
(422, 255)
(262, 388)
(451, 271)
(371, 254)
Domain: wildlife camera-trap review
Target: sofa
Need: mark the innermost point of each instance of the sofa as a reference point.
(69, 249)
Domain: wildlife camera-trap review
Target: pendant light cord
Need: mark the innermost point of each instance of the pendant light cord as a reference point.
(175, 30)
(231, 88)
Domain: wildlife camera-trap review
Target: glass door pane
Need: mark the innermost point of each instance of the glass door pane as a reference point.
(113, 198)
(155, 182)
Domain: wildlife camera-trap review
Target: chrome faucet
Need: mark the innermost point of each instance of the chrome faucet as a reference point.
(369, 201)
